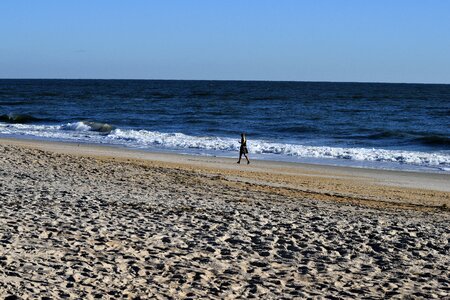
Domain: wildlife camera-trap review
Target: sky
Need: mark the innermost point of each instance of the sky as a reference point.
(315, 40)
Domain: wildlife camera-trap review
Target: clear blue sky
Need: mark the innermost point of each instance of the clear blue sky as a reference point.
(315, 40)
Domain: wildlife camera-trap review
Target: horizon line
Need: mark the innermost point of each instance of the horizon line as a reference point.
(237, 80)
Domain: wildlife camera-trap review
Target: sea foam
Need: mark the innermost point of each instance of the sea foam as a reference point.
(91, 132)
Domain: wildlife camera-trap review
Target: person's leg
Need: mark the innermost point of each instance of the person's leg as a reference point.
(240, 155)
(246, 157)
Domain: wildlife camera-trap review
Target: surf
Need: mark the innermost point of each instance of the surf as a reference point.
(18, 118)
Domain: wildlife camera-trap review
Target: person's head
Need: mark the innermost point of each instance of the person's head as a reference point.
(242, 135)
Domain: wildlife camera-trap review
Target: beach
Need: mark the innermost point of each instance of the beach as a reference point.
(89, 221)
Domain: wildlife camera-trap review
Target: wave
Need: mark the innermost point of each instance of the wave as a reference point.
(435, 140)
(416, 137)
(144, 138)
(88, 126)
(386, 135)
(18, 118)
(92, 132)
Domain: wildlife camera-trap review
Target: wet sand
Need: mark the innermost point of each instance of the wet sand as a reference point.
(89, 221)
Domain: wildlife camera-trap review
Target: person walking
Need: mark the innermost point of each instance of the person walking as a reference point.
(243, 149)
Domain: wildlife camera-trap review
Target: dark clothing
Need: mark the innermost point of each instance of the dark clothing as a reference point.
(243, 149)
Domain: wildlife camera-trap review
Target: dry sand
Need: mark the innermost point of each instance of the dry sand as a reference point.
(100, 222)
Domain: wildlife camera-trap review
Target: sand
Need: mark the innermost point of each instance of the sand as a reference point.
(99, 222)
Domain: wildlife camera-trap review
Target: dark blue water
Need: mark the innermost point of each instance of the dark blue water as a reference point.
(340, 121)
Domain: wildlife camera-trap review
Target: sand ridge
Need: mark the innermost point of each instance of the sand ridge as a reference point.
(97, 226)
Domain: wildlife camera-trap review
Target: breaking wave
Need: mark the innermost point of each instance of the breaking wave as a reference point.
(88, 126)
(92, 132)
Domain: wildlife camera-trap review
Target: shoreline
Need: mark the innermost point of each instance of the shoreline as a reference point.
(409, 160)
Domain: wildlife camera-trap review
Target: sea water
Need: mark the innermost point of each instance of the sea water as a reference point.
(376, 125)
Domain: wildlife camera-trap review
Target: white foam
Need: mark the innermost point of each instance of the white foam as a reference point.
(145, 139)
(77, 126)
(174, 140)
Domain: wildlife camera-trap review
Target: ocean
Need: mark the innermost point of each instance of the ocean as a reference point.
(371, 125)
